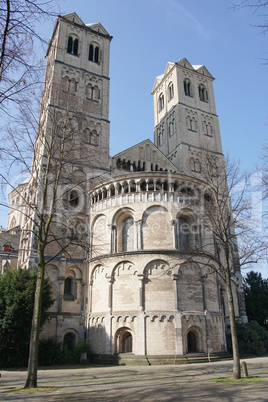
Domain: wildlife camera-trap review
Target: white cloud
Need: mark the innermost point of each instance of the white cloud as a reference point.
(192, 22)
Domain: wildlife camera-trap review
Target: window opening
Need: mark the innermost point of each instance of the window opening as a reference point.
(94, 53)
(69, 341)
(68, 286)
(161, 102)
(128, 234)
(74, 199)
(184, 236)
(187, 88)
(72, 46)
(191, 341)
(203, 93)
(127, 343)
(170, 91)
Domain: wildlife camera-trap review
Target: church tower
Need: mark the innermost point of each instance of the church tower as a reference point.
(185, 119)
(77, 81)
(71, 151)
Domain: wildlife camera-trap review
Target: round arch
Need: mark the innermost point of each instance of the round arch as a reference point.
(70, 338)
(194, 339)
(124, 340)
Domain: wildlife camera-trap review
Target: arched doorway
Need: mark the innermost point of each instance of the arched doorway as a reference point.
(124, 341)
(69, 340)
(127, 343)
(191, 342)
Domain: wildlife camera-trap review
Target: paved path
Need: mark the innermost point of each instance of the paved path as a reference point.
(138, 383)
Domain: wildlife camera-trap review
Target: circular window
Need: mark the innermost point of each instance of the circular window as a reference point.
(74, 198)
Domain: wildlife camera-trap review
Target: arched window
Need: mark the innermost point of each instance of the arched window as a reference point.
(128, 234)
(112, 190)
(94, 138)
(195, 165)
(68, 286)
(183, 236)
(69, 341)
(161, 102)
(97, 51)
(191, 123)
(94, 53)
(68, 289)
(73, 86)
(207, 127)
(170, 91)
(170, 128)
(203, 93)
(207, 197)
(160, 137)
(74, 198)
(13, 222)
(90, 91)
(75, 47)
(188, 88)
(72, 46)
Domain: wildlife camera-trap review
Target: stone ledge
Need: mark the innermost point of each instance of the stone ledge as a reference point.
(128, 359)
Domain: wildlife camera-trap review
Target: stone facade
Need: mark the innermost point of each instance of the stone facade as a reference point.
(132, 285)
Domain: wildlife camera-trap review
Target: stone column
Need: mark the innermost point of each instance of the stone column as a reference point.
(137, 246)
(113, 239)
(203, 279)
(141, 292)
(141, 334)
(175, 278)
(90, 296)
(110, 294)
(178, 334)
(82, 296)
(108, 338)
(208, 330)
(60, 283)
(174, 224)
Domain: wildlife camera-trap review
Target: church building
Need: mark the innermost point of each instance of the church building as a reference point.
(132, 266)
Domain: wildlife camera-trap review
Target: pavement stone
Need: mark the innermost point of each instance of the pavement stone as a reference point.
(191, 382)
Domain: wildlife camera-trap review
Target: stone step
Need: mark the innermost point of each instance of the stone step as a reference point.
(129, 359)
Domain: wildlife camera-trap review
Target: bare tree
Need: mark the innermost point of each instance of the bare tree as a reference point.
(263, 168)
(258, 7)
(51, 200)
(229, 241)
(19, 67)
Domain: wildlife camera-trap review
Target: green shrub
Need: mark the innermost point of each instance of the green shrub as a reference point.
(52, 352)
(252, 338)
(49, 352)
(17, 290)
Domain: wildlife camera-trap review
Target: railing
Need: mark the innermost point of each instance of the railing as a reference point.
(146, 196)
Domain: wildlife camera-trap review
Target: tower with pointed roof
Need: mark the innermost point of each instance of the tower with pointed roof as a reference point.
(185, 118)
(78, 61)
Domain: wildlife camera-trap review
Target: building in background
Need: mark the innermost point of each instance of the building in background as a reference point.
(9, 247)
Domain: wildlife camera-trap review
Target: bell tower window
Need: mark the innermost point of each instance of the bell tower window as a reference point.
(161, 102)
(188, 88)
(94, 53)
(72, 46)
(203, 93)
(170, 91)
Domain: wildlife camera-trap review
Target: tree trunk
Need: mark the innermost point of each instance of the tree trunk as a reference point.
(31, 381)
(236, 358)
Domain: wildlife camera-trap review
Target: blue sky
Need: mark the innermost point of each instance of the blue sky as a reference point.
(147, 34)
